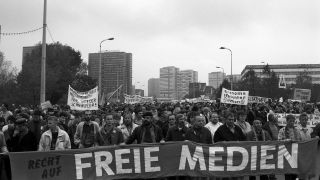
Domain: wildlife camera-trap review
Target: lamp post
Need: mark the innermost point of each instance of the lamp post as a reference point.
(231, 79)
(100, 88)
(43, 56)
(218, 67)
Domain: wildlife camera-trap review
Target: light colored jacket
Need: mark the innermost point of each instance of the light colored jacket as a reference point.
(78, 134)
(63, 140)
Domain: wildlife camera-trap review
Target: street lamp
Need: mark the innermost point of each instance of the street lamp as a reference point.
(231, 79)
(100, 88)
(218, 67)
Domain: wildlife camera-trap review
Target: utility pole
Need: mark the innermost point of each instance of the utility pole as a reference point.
(43, 58)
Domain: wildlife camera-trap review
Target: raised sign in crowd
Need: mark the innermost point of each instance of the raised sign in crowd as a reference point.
(181, 140)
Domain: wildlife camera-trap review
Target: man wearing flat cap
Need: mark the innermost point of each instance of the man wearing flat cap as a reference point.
(147, 132)
(23, 139)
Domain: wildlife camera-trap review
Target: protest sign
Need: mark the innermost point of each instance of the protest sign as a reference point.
(234, 97)
(82, 101)
(302, 94)
(313, 119)
(46, 105)
(257, 99)
(225, 159)
(134, 99)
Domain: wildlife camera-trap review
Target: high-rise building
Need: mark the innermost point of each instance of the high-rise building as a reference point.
(184, 78)
(197, 89)
(153, 87)
(216, 79)
(169, 82)
(116, 70)
(27, 51)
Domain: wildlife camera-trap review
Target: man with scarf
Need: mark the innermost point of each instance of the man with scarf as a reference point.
(147, 132)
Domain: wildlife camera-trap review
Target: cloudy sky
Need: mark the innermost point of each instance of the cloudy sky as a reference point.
(182, 33)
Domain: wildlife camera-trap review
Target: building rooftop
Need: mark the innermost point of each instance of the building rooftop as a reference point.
(281, 66)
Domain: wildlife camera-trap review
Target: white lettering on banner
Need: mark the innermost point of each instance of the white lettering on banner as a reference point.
(137, 164)
(234, 97)
(148, 159)
(119, 161)
(80, 165)
(213, 158)
(253, 158)
(197, 156)
(265, 157)
(292, 159)
(233, 158)
(245, 158)
(103, 164)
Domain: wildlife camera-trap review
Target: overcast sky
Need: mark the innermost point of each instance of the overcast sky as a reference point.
(182, 33)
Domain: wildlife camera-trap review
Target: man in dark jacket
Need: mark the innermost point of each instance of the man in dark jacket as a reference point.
(229, 131)
(23, 139)
(109, 133)
(147, 132)
(177, 132)
(198, 133)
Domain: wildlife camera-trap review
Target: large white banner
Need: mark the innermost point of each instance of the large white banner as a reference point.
(82, 101)
(234, 97)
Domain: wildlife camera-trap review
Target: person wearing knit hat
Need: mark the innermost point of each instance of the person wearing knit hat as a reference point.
(23, 139)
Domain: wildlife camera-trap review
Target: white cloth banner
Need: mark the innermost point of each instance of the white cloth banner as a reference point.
(234, 97)
(82, 101)
(133, 99)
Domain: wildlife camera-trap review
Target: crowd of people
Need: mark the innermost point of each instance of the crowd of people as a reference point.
(59, 128)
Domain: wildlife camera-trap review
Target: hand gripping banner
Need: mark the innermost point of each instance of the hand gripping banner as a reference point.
(227, 159)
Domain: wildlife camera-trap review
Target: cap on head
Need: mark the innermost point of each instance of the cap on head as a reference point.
(87, 112)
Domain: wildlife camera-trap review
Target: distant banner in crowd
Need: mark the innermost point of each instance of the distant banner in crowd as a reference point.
(82, 101)
(257, 99)
(134, 99)
(234, 97)
(46, 105)
(302, 94)
(313, 119)
(227, 159)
